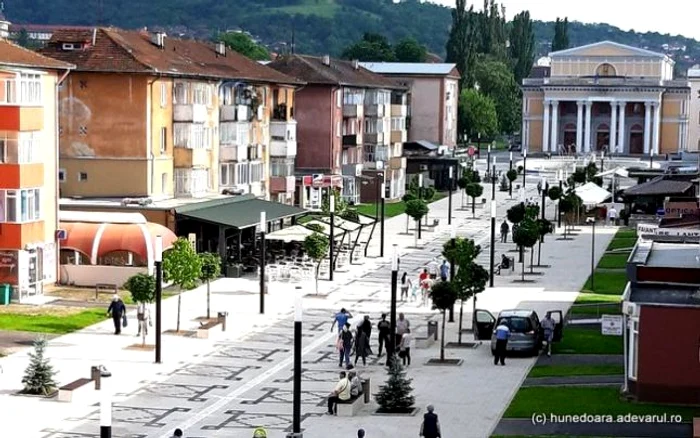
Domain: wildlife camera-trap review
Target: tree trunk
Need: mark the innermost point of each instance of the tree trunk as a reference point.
(476, 334)
(442, 338)
(208, 300)
(407, 222)
(179, 305)
(473, 208)
(522, 260)
(532, 259)
(459, 333)
(415, 236)
(318, 268)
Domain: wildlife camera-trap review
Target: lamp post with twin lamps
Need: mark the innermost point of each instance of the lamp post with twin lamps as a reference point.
(263, 230)
(331, 209)
(449, 200)
(420, 196)
(453, 245)
(510, 183)
(561, 178)
(524, 166)
(492, 252)
(296, 409)
(158, 258)
(392, 317)
(382, 197)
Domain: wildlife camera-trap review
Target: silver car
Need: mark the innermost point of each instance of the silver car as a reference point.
(526, 333)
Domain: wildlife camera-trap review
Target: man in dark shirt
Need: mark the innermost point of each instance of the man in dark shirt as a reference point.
(431, 426)
(383, 327)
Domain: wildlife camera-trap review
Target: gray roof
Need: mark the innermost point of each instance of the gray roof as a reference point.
(673, 255)
(659, 186)
(420, 144)
(408, 68)
(673, 295)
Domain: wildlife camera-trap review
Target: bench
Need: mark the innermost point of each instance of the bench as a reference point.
(205, 327)
(510, 269)
(432, 336)
(350, 407)
(75, 390)
(105, 288)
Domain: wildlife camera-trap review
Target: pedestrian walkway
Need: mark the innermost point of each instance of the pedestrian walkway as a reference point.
(226, 386)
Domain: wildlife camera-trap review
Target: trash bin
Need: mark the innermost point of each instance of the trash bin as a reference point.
(221, 318)
(366, 384)
(5, 294)
(433, 329)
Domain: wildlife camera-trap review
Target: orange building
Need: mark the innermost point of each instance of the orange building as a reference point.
(28, 168)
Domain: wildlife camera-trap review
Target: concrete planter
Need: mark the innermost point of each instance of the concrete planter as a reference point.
(446, 362)
(408, 413)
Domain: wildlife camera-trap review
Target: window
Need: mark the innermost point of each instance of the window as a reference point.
(26, 209)
(282, 167)
(227, 172)
(242, 173)
(82, 176)
(352, 96)
(191, 181)
(164, 183)
(61, 175)
(398, 123)
(163, 94)
(180, 94)
(344, 157)
(30, 88)
(256, 172)
(163, 139)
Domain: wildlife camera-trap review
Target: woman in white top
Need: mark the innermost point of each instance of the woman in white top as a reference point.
(405, 347)
(405, 285)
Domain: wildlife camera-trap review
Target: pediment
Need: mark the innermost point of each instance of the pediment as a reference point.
(607, 49)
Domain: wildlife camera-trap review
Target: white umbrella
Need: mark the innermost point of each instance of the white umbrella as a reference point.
(592, 194)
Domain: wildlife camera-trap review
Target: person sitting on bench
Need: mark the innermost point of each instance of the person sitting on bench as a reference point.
(355, 382)
(341, 393)
(505, 264)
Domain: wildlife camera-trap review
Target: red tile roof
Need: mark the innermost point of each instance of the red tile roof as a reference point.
(312, 70)
(117, 50)
(17, 56)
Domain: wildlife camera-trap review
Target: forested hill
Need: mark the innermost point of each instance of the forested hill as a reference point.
(317, 26)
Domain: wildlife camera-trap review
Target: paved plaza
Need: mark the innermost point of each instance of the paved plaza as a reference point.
(241, 379)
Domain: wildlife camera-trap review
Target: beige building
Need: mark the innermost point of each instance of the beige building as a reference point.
(694, 122)
(606, 96)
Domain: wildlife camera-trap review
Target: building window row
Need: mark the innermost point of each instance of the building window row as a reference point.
(353, 96)
(29, 92)
(377, 97)
(192, 136)
(20, 148)
(191, 181)
(19, 206)
(233, 174)
(398, 123)
(189, 93)
(234, 134)
(282, 167)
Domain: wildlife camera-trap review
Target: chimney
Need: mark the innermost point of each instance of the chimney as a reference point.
(356, 64)
(94, 36)
(326, 60)
(221, 48)
(158, 39)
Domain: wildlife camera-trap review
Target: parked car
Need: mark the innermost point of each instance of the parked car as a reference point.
(526, 331)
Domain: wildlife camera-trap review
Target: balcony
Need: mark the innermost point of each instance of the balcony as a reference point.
(192, 157)
(399, 110)
(233, 153)
(283, 138)
(352, 169)
(234, 133)
(195, 113)
(373, 138)
(352, 111)
(235, 113)
(397, 163)
(352, 140)
(375, 110)
(379, 153)
(282, 184)
(398, 136)
(191, 182)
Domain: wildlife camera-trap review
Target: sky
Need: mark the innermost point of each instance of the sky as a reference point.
(667, 16)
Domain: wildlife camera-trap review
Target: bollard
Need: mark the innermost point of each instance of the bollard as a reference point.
(221, 318)
(366, 389)
(433, 329)
(96, 375)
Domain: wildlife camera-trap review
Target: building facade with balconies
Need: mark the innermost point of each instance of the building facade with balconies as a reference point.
(345, 129)
(429, 109)
(28, 168)
(147, 116)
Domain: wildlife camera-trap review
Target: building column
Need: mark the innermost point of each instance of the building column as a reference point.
(555, 127)
(579, 126)
(657, 128)
(613, 126)
(587, 141)
(647, 127)
(621, 131)
(545, 127)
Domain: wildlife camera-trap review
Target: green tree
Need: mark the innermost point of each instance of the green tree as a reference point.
(474, 190)
(350, 215)
(39, 377)
(372, 47)
(243, 44)
(561, 35)
(211, 270)
(477, 114)
(461, 43)
(444, 296)
(525, 235)
(492, 30)
(316, 247)
(410, 50)
(522, 46)
(554, 194)
(416, 209)
(340, 204)
(496, 81)
(142, 288)
(183, 267)
(512, 175)
(515, 215)
(395, 396)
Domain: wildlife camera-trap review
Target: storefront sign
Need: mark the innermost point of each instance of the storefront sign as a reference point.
(611, 325)
(653, 229)
(676, 209)
(646, 229)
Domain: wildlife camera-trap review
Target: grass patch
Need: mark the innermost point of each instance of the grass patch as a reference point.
(606, 305)
(578, 340)
(575, 370)
(394, 208)
(621, 243)
(607, 283)
(614, 261)
(567, 400)
(626, 233)
(52, 323)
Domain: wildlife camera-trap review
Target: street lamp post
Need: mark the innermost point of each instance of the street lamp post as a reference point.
(381, 228)
(392, 317)
(492, 256)
(488, 160)
(524, 166)
(593, 255)
(449, 201)
(263, 230)
(544, 205)
(331, 205)
(420, 196)
(493, 180)
(158, 258)
(561, 177)
(453, 245)
(105, 406)
(602, 161)
(296, 413)
(510, 183)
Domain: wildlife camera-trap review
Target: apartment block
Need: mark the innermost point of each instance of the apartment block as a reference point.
(433, 94)
(351, 127)
(28, 168)
(150, 117)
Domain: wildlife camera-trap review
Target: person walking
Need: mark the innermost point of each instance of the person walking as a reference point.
(444, 270)
(117, 310)
(405, 284)
(505, 229)
(341, 392)
(548, 325)
(362, 349)
(502, 335)
(405, 347)
(345, 345)
(178, 434)
(340, 319)
(430, 428)
(402, 324)
(612, 215)
(383, 327)
(366, 326)
(143, 316)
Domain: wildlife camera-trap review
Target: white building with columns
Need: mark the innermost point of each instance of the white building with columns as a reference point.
(606, 96)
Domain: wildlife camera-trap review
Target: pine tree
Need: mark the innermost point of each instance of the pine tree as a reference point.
(39, 375)
(396, 396)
